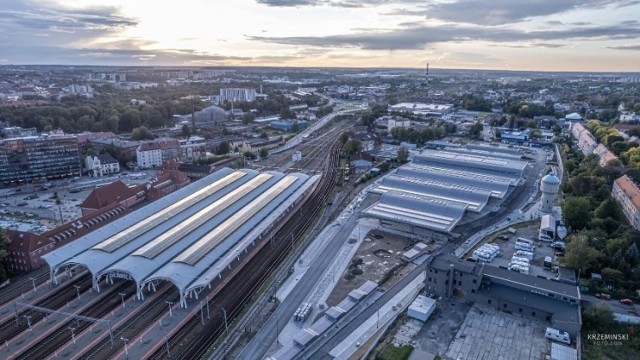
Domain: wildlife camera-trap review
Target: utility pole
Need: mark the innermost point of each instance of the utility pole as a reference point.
(122, 297)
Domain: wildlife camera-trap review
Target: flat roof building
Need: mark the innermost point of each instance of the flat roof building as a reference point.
(38, 157)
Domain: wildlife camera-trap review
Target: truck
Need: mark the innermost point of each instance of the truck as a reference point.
(524, 241)
(548, 263)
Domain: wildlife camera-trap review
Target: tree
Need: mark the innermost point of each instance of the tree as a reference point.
(4, 243)
(497, 133)
(264, 135)
(344, 136)
(264, 153)
(248, 117)
(576, 212)
(223, 148)
(141, 133)
(403, 154)
(352, 147)
(579, 254)
(597, 318)
(476, 130)
(186, 130)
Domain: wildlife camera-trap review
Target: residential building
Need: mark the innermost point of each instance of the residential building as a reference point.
(545, 299)
(605, 156)
(38, 157)
(361, 161)
(586, 142)
(192, 148)
(101, 165)
(16, 131)
(627, 193)
(154, 153)
(126, 147)
(234, 94)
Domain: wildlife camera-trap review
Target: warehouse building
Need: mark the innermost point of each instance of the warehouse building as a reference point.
(438, 187)
(192, 238)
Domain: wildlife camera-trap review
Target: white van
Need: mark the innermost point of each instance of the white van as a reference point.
(524, 241)
(558, 335)
(545, 238)
(523, 246)
(519, 259)
(524, 254)
(519, 268)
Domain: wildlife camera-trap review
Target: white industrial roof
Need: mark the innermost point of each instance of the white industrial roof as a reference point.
(470, 160)
(179, 237)
(474, 198)
(422, 211)
(498, 186)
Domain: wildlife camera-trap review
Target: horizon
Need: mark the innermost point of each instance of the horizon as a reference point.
(545, 35)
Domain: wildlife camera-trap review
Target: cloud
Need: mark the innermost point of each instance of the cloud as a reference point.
(334, 3)
(420, 36)
(625, 47)
(500, 12)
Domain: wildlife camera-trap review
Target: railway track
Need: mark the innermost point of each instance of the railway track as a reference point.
(242, 288)
(146, 316)
(62, 335)
(23, 285)
(9, 329)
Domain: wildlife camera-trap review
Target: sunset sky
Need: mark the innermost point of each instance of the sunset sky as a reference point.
(553, 35)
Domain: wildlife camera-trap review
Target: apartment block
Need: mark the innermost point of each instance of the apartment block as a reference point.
(628, 195)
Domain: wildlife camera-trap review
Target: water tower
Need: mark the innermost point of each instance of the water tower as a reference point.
(549, 186)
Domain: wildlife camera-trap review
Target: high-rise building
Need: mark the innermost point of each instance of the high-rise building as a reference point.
(38, 157)
(237, 94)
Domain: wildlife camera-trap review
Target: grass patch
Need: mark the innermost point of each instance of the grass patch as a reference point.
(391, 352)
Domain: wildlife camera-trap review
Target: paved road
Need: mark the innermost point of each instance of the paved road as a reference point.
(263, 339)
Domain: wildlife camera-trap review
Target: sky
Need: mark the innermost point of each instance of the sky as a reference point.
(538, 35)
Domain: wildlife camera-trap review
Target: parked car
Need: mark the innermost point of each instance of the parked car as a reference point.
(626, 301)
(604, 296)
(558, 245)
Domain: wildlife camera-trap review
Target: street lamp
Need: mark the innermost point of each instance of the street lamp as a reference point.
(73, 334)
(33, 282)
(77, 290)
(28, 317)
(226, 325)
(126, 349)
(122, 297)
(170, 303)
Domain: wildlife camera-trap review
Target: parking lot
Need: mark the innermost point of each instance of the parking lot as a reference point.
(492, 335)
(34, 208)
(507, 249)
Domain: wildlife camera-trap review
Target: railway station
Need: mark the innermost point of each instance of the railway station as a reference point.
(191, 238)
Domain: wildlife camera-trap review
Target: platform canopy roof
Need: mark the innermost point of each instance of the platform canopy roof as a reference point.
(180, 237)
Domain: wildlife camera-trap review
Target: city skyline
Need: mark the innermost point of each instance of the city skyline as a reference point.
(497, 35)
